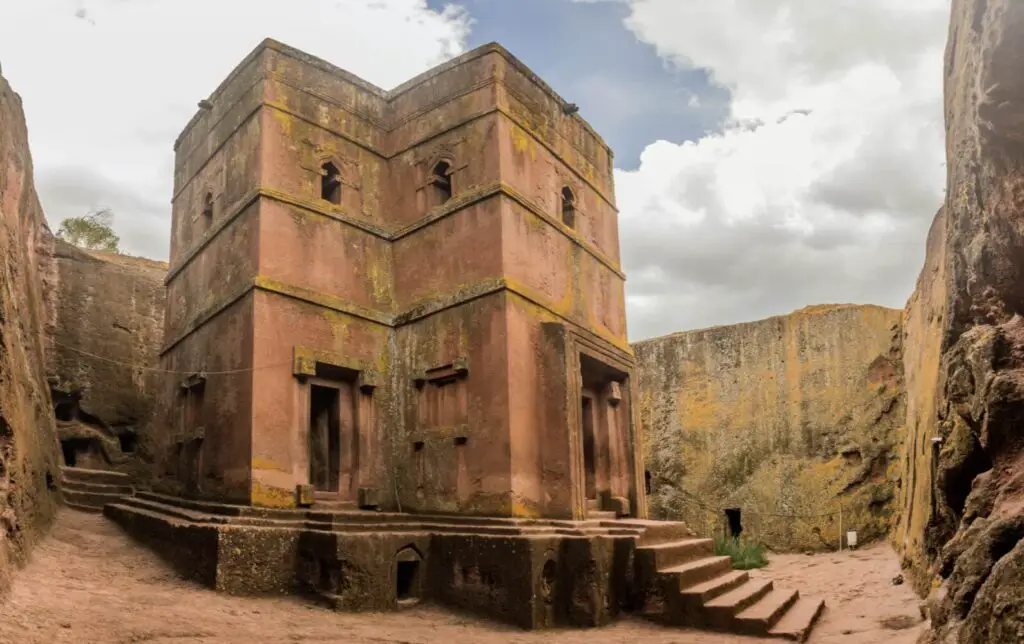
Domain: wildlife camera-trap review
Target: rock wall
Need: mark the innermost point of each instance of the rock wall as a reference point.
(29, 467)
(788, 419)
(105, 331)
(969, 307)
(923, 332)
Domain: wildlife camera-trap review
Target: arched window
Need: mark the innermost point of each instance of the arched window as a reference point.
(568, 207)
(208, 206)
(330, 183)
(441, 181)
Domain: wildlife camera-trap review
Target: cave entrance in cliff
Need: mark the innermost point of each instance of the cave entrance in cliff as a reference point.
(333, 439)
(734, 522)
(75, 449)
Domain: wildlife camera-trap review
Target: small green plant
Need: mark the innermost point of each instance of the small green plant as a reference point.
(745, 554)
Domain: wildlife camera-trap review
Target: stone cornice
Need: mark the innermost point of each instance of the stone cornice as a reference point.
(460, 202)
(389, 96)
(416, 312)
(389, 155)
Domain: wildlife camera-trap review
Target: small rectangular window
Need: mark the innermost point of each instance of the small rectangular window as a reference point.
(330, 183)
(441, 183)
(568, 207)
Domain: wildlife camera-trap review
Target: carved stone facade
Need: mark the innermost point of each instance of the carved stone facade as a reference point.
(375, 296)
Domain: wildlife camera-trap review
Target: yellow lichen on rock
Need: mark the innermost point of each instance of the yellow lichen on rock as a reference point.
(791, 419)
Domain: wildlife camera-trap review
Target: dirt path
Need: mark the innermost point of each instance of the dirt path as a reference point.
(87, 582)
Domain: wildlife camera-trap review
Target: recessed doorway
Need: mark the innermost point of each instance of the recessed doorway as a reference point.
(324, 438)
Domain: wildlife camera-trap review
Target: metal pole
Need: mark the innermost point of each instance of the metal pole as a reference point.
(840, 527)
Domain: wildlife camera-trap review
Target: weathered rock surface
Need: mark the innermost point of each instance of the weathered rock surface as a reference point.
(29, 467)
(963, 475)
(923, 323)
(105, 330)
(790, 416)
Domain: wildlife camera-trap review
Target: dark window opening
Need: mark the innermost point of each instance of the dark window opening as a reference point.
(442, 183)
(568, 207)
(330, 183)
(417, 446)
(548, 578)
(68, 450)
(406, 583)
(647, 481)
(324, 438)
(71, 448)
(65, 411)
(208, 206)
(461, 440)
(735, 526)
(51, 484)
(128, 441)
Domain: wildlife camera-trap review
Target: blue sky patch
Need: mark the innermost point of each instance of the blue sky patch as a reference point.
(585, 52)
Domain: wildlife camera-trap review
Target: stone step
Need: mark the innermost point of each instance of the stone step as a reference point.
(120, 511)
(172, 511)
(90, 499)
(673, 553)
(705, 591)
(797, 622)
(722, 609)
(208, 507)
(83, 508)
(333, 506)
(386, 519)
(298, 521)
(101, 488)
(94, 476)
(694, 572)
(655, 532)
(428, 526)
(763, 616)
(600, 515)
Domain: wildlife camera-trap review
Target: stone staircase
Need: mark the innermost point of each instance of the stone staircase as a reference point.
(90, 490)
(693, 587)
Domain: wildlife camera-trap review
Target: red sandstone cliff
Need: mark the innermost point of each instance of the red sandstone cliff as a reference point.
(105, 328)
(963, 479)
(28, 443)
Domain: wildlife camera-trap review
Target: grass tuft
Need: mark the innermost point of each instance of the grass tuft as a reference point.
(745, 554)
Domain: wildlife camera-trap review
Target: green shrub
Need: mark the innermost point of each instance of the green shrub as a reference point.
(745, 554)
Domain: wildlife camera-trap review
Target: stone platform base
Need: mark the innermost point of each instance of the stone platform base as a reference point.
(530, 573)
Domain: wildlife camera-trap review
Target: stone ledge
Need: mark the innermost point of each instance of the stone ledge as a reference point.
(527, 580)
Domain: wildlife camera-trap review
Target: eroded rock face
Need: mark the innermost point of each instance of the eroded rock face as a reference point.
(793, 415)
(964, 458)
(105, 330)
(28, 444)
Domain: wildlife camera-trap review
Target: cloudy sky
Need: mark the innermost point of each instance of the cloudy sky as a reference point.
(771, 153)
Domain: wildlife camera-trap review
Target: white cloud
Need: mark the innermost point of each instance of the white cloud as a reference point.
(108, 84)
(823, 184)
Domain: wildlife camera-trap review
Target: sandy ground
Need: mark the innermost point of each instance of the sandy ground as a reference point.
(87, 582)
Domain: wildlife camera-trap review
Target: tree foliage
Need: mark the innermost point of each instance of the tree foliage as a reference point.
(93, 231)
